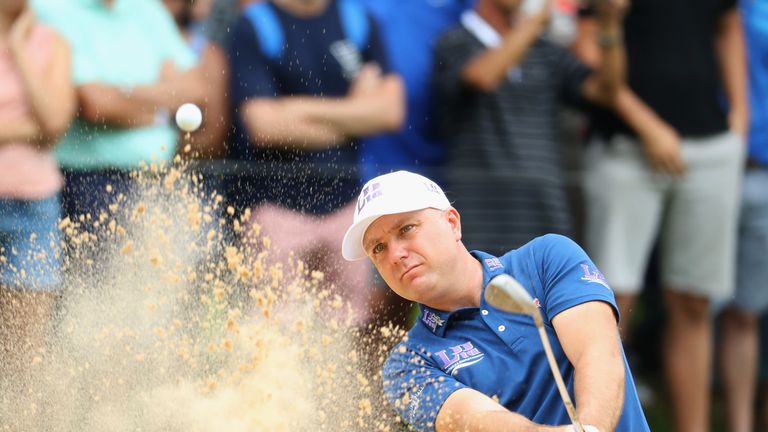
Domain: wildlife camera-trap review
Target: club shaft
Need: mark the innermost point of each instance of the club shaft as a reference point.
(559, 380)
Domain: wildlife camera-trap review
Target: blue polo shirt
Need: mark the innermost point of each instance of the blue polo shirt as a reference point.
(275, 54)
(755, 16)
(498, 353)
(415, 24)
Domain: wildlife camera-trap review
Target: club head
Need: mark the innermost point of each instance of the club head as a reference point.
(505, 292)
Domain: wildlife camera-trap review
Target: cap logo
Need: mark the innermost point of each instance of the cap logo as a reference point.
(432, 187)
(369, 192)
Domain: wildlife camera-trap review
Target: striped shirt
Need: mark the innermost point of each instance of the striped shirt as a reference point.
(504, 167)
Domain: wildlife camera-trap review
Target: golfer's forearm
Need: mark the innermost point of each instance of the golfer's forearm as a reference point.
(490, 421)
(599, 390)
(468, 410)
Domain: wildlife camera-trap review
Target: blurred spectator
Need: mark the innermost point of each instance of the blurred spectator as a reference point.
(209, 140)
(740, 335)
(129, 82)
(500, 85)
(221, 19)
(409, 30)
(37, 102)
(310, 78)
(672, 170)
(762, 421)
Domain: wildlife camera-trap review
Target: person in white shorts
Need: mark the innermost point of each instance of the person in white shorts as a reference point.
(667, 166)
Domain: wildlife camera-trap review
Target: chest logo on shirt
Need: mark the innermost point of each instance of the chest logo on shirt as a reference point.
(458, 357)
(593, 275)
(432, 320)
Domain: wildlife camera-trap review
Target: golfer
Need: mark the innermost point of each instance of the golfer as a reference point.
(466, 366)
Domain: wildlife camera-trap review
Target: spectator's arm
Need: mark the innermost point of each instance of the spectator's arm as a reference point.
(174, 88)
(661, 142)
(469, 410)
(208, 141)
(102, 103)
(140, 105)
(731, 55)
(375, 104)
(590, 338)
(486, 71)
(283, 122)
(585, 45)
(19, 131)
(366, 111)
(602, 86)
(50, 94)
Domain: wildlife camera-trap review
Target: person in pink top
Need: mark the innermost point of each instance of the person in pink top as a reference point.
(37, 103)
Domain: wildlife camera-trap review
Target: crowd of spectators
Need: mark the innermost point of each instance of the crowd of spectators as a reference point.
(311, 98)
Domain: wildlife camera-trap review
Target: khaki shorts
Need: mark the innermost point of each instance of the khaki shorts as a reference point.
(694, 217)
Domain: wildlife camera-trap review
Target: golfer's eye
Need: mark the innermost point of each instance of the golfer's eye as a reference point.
(407, 228)
(378, 248)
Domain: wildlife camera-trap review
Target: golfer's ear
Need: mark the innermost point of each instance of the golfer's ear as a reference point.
(454, 219)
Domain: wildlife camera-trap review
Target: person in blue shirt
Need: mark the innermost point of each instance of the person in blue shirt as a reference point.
(309, 80)
(740, 320)
(414, 24)
(467, 366)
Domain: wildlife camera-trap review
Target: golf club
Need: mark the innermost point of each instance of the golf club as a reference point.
(505, 292)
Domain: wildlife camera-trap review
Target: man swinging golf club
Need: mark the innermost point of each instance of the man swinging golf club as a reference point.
(470, 364)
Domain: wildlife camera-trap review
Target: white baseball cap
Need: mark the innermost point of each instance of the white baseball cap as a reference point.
(393, 193)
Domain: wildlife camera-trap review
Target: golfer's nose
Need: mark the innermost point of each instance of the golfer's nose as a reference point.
(398, 252)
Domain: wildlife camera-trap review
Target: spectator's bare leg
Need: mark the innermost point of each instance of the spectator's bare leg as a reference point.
(688, 360)
(626, 304)
(738, 367)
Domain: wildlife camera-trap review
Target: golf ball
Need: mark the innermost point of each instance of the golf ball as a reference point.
(189, 117)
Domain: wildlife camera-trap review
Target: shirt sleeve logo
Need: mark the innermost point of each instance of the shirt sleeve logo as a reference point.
(593, 275)
(459, 356)
(493, 264)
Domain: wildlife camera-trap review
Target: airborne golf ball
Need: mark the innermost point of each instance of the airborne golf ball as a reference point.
(189, 117)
